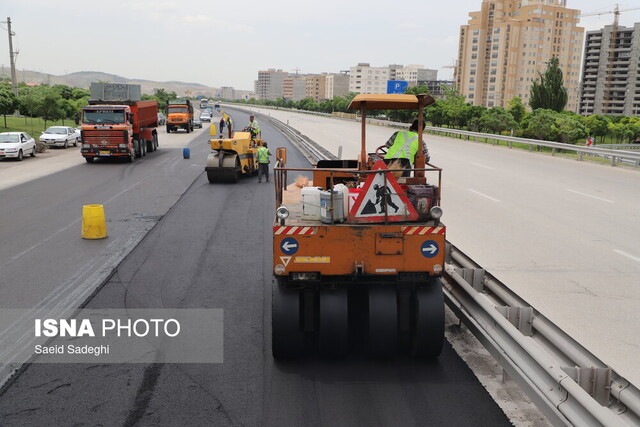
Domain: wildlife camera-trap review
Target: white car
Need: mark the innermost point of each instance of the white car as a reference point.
(205, 117)
(17, 145)
(60, 136)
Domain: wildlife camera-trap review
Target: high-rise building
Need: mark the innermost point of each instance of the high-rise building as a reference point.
(270, 84)
(611, 72)
(508, 43)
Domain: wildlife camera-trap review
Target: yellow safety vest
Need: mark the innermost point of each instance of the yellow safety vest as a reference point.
(405, 146)
(263, 155)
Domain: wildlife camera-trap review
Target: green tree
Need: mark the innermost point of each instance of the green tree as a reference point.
(550, 92)
(540, 124)
(8, 103)
(569, 129)
(496, 120)
(517, 109)
(51, 107)
(436, 114)
(597, 125)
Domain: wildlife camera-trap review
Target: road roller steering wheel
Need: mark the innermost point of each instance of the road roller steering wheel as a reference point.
(381, 151)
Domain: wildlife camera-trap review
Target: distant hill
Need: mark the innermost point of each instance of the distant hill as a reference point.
(83, 80)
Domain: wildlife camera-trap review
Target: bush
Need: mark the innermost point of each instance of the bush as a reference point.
(41, 147)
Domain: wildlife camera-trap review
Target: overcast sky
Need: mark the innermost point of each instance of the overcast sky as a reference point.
(225, 43)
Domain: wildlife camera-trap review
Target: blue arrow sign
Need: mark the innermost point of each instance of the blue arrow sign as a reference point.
(429, 249)
(289, 246)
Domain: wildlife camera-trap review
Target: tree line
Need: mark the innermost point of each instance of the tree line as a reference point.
(56, 102)
(547, 119)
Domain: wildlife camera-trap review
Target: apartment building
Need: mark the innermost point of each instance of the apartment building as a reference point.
(294, 87)
(315, 87)
(363, 78)
(414, 73)
(336, 85)
(270, 84)
(508, 42)
(611, 72)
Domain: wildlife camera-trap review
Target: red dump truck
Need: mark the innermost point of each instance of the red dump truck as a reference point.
(116, 123)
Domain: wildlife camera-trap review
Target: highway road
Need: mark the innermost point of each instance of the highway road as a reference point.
(202, 246)
(564, 235)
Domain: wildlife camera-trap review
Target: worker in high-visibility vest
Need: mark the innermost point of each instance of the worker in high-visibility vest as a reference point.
(263, 162)
(403, 146)
(253, 127)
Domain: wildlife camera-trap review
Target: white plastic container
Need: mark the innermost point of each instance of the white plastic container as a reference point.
(311, 203)
(331, 207)
(344, 190)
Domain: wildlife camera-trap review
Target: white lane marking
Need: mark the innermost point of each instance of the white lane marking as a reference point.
(483, 195)
(634, 258)
(589, 195)
(482, 166)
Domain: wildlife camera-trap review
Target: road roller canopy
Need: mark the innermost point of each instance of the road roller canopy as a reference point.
(383, 101)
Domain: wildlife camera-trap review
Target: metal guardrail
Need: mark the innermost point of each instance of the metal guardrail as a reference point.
(567, 383)
(616, 156)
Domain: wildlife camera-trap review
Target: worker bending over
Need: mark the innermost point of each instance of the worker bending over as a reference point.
(403, 146)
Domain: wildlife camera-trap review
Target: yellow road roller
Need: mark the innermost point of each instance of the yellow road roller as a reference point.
(232, 157)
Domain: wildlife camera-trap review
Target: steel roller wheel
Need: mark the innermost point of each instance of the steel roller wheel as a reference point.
(287, 337)
(428, 335)
(333, 332)
(383, 321)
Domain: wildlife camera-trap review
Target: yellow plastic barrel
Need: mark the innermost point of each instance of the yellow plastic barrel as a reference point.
(94, 224)
(212, 129)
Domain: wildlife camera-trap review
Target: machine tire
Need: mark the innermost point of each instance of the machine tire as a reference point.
(287, 337)
(168, 129)
(33, 152)
(333, 327)
(382, 338)
(428, 336)
(20, 156)
(131, 157)
(89, 159)
(66, 144)
(75, 143)
(188, 128)
(155, 142)
(143, 147)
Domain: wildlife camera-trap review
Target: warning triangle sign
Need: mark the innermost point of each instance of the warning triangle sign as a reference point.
(382, 199)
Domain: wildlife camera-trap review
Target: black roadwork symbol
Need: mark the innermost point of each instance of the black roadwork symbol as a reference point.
(383, 197)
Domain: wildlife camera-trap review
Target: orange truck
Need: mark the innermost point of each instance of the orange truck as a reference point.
(179, 115)
(358, 255)
(117, 124)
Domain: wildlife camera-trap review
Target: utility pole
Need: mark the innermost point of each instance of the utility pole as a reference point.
(14, 79)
